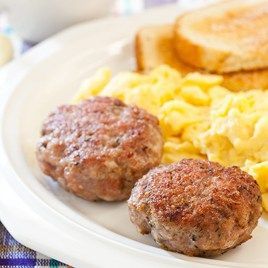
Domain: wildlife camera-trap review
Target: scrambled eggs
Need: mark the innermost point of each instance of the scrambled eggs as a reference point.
(198, 117)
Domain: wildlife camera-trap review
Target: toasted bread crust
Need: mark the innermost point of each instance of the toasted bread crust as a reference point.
(151, 38)
(153, 47)
(223, 38)
(139, 53)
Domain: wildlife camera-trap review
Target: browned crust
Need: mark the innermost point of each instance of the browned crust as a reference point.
(99, 148)
(196, 207)
(197, 176)
(139, 52)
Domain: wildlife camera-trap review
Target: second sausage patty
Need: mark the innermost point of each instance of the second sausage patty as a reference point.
(196, 207)
(98, 149)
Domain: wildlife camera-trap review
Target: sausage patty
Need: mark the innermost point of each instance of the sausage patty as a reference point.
(196, 207)
(99, 148)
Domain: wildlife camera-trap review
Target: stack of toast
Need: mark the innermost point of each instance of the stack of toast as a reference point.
(229, 38)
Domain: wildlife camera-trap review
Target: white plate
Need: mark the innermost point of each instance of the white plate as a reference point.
(34, 209)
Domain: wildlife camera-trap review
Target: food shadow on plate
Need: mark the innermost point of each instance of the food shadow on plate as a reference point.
(113, 216)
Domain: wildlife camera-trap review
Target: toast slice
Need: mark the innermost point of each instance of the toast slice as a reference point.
(154, 46)
(225, 37)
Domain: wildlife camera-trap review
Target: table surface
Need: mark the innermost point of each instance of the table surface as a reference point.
(12, 253)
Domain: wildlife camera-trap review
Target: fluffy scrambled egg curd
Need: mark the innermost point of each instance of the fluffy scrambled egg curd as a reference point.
(199, 118)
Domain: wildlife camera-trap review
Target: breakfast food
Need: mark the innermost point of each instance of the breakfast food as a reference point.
(196, 207)
(238, 130)
(226, 37)
(199, 118)
(99, 148)
(155, 45)
(209, 131)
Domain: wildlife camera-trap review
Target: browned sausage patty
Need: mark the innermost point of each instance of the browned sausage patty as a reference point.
(98, 149)
(196, 207)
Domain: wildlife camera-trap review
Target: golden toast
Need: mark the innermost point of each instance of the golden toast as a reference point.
(155, 45)
(225, 37)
